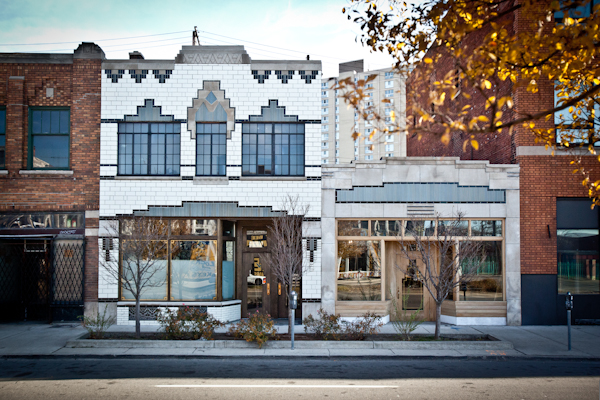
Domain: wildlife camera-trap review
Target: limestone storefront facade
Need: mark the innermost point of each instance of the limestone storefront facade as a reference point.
(374, 202)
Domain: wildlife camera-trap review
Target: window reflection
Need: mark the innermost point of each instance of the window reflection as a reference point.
(193, 269)
(578, 257)
(353, 228)
(149, 257)
(359, 271)
(487, 284)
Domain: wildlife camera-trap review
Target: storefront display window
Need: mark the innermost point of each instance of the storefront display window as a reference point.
(359, 271)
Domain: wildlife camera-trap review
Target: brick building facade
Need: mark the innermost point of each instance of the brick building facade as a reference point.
(49, 182)
(549, 194)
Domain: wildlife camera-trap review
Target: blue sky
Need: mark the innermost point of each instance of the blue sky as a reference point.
(275, 29)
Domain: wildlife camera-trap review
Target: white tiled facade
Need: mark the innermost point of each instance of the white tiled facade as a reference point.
(247, 96)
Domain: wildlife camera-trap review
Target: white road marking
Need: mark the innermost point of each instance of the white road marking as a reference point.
(281, 386)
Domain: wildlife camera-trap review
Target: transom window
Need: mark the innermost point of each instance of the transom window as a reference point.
(149, 148)
(49, 138)
(273, 149)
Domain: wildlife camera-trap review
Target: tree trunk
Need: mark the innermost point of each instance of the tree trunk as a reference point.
(137, 317)
(438, 322)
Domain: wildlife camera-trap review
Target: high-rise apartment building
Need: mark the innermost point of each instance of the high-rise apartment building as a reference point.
(339, 121)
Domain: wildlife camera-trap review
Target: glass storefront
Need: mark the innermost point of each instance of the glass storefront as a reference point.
(359, 271)
(359, 262)
(184, 266)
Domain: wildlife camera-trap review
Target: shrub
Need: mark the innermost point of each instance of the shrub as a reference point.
(368, 324)
(188, 323)
(327, 326)
(97, 325)
(257, 328)
(330, 326)
(404, 321)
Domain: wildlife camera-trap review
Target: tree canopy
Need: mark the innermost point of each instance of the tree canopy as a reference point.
(470, 58)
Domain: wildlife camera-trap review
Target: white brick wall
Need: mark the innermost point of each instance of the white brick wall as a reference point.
(123, 196)
(224, 314)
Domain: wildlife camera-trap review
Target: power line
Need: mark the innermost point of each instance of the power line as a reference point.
(100, 40)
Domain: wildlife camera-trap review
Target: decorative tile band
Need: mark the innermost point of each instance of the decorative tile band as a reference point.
(429, 192)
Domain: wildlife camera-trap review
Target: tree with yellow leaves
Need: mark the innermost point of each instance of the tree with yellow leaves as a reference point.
(471, 63)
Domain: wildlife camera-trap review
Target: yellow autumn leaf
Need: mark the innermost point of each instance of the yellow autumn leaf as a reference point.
(487, 84)
(427, 60)
(475, 144)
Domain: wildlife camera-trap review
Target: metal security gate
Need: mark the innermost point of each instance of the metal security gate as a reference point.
(41, 279)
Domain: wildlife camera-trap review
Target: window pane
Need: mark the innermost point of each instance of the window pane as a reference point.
(193, 269)
(2, 151)
(386, 228)
(353, 228)
(46, 118)
(50, 151)
(36, 122)
(419, 228)
(2, 121)
(64, 121)
(486, 228)
(228, 268)
(54, 121)
(488, 282)
(153, 259)
(578, 264)
(359, 271)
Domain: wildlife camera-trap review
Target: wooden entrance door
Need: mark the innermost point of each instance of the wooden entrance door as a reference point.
(260, 289)
(405, 285)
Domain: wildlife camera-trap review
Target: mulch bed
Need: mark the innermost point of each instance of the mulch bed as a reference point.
(383, 337)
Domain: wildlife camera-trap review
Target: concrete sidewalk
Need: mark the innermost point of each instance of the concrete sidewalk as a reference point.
(43, 340)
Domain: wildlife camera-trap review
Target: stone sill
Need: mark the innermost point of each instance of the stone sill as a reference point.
(148, 178)
(45, 172)
(3, 172)
(273, 178)
(180, 303)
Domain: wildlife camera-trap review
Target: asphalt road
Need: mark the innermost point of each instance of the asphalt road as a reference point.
(265, 378)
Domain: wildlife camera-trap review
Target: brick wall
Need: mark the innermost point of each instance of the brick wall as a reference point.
(498, 147)
(75, 84)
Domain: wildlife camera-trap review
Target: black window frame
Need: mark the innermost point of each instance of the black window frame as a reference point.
(2, 138)
(146, 129)
(221, 168)
(247, 142)
(32, 135)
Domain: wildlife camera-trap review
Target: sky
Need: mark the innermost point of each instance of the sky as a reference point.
(269, 30)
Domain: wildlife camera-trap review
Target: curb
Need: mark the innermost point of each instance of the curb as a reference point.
(286, 344)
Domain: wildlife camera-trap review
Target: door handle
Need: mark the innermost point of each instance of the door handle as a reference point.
(268, 289)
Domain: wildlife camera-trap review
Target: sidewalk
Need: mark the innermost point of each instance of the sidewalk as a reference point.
(43, 340)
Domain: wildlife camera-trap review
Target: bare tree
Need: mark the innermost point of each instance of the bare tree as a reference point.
(143, 259)
(287, 251)
(448, 263)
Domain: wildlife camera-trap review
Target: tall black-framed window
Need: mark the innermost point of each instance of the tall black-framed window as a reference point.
(273, 149)
(49, 138)
(149, 148)
(2, 138)
(211, 149)
(578, 246)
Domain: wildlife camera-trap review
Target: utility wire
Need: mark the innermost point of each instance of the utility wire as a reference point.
(99, 40)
